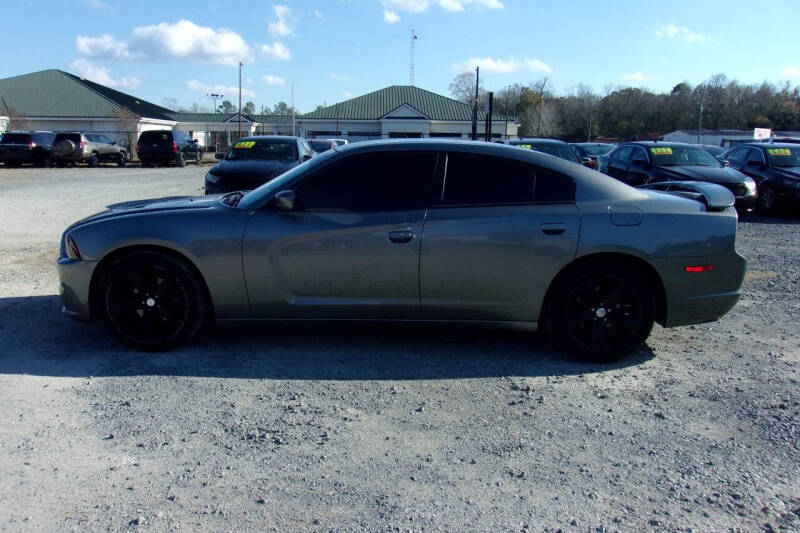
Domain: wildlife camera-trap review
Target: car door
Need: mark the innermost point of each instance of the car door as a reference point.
(502, 230)
(350, 246)
(637, 171)
(756, 165)
(618, 163)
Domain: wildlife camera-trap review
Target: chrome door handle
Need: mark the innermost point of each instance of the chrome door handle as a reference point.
(401, 236)
(553, 228)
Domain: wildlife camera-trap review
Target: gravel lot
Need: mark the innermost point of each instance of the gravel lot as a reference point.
(385, 428)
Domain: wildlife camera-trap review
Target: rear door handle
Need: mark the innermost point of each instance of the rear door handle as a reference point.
(553, 228)
(401, 236)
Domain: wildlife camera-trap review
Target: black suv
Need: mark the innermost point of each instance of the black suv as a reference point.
(640, 163)
(775, 168)
(168, 147)
(34, 147)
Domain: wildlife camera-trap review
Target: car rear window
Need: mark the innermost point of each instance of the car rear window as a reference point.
(156, 136)
(597, 149)
(320, 146)
(17, 138)
(263, 149)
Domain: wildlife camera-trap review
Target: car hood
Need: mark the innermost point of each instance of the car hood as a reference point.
(712, 174)
(255, 169)
(151, 206)
(788, 172)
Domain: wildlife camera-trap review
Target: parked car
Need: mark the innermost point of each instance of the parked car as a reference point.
(341, 142)
(89, 148)
(552, 147)
(255, 160)
(642, 162)
(588, 152)
(322, 145)
(31, 147)
(775, 168)
(713, 149)
(168, 147)
(510, 236)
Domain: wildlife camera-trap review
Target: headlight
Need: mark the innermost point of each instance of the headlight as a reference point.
(750, 183)
(213, 178)
(72, 249)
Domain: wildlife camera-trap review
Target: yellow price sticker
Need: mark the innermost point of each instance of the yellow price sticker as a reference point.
(526, 146)
(779, 151)
(245, 144)
(661, 150)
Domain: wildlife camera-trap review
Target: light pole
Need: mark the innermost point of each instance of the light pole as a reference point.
(214, 97)
(240, 99)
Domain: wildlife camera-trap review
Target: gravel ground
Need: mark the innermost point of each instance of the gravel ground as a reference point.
(385, 428)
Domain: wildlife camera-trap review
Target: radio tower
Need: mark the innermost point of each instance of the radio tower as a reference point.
(411, 60)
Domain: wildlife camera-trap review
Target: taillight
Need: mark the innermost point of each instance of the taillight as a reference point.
(174, 147)
(699, 268)
(138, 148)
(82, 145)
(33, 145)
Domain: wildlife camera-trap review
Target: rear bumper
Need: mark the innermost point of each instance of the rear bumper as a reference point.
(160, 157)
(693, 298)
(74, 281)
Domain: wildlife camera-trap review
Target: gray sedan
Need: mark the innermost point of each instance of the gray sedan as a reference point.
(414, 230)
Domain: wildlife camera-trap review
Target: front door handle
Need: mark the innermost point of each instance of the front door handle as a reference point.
(401, 236)
(553, 228)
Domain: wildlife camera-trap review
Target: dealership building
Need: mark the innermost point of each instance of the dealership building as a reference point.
(54, 100)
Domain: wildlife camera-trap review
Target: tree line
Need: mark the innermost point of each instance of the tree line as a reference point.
(629, 113)
(227, 107)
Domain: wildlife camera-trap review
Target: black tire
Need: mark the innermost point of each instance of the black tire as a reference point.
(767, 200)
(180, 160)
(199, 156)
(601, 310)
(61, 164)
(94, 160)
(122, 160)
(152, 301)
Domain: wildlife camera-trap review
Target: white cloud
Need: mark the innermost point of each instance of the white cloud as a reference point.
(86, 69)
(791, 71)
(347, 94)
(318, 15)
(637, 76)
(393, 8)
(97, 4)
(183, 40)
(672, 31)
(276, 51)
(274, 81)
(228, 90)
(501, 66)
(390, 17)
(283, 23)
(342, 77)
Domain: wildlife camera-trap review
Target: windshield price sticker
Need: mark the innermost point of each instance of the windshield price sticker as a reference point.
(661, 150)
(245, 144)
(527, 146)
(779, 151)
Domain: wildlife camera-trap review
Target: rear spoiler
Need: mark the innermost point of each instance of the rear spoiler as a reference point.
(714, 197)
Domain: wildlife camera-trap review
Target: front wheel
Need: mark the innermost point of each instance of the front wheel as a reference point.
(94, 161)
(122, 161)
(152, 301)
(766, 201)
(601, 311)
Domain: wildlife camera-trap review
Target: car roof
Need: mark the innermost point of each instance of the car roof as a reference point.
(592, 144)
(287, 138)
(766, 145)
(539, 140)
(661, 143)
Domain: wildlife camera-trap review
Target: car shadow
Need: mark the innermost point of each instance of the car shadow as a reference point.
(784, 218)
(38, 340)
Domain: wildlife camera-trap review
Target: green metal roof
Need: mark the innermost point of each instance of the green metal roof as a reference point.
(55, 93)
(225, 117)
(377, 104)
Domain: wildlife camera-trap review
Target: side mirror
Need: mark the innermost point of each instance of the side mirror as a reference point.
(725, 163)
(639, 163)
(218, 155)
(587, 162)
(113, 142)
(305, 158)
(284, 200)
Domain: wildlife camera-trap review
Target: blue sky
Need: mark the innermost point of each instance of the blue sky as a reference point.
(337, 49)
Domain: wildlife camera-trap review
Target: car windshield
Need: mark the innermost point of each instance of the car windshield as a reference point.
(320, 146)
(714, 150)
(682, 156)
(784, 157)
(597, 149)
(253, 198)
(16, 138)
(262, 149)
(559, 150)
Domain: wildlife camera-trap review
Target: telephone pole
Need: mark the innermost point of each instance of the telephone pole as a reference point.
(411, 59)
(475, 107)
(240, 99)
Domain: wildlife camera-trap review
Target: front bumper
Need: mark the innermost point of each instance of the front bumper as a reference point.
(697, 297)
(74, 282)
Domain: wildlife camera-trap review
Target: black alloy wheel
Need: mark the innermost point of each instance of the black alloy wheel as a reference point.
(123, 160)
(94, 160)
(152, 301)
(602, 311)
(766, 201)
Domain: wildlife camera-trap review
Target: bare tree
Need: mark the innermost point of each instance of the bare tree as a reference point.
(17, 120)
(128, 125)
(170, 103)
(462, 88)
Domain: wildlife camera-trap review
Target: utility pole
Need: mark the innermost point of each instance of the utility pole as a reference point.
(475, 107)
(489, 118)
(411, 58)
(214, 97)
(240, 99)
(702, 105)
(293, 130)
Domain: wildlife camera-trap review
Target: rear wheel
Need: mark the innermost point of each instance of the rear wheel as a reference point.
(94, 160)
(767, 200)
(601, 311)
(123, 160)
(181, 160)
(152, 301)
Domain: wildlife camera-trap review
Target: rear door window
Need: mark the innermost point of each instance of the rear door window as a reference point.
(476, 179)
(16, 138)
(623, 155)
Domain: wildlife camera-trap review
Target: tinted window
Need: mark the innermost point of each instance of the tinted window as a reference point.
(44, 138)
(639, 154)
(552, 187)
(373, 182)
(597, 149)
(623, 155)
(16, 138)
(755, 155)
(155, 136)
(678, 156)
(320, 146)
(264, 149)
(473, 179)
(739, 154)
